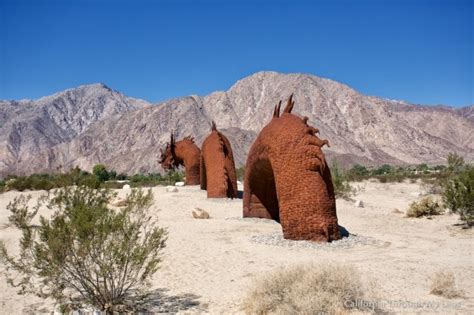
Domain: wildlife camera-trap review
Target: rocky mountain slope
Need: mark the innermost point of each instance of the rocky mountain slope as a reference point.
(361, 129)
(29, 127)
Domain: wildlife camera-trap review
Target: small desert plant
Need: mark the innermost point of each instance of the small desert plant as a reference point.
(425, 207)
(458, 195)
(455, 162)
(240, 173)
(443, 283)
(342, 189)
(86, 253)
(2, 186)
(305, 289)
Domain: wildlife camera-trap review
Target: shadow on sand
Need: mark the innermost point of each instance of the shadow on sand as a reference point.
(343, 231)
(158, 301)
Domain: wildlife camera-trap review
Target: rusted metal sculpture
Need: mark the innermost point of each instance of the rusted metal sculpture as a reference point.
(218, 175)
(184, 152)
(287, 179)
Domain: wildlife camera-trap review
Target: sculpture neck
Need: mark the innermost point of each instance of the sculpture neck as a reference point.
(189, 155)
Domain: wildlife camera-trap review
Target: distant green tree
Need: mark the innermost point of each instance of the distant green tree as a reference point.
(100, 171)
(384, 169)
(112, 175)
(422, 167)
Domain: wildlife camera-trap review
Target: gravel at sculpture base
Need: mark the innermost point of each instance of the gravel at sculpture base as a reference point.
(276, 239)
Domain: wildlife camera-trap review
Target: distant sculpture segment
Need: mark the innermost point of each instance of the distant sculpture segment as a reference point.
(288, 180)
(218, 175)
(184, 152)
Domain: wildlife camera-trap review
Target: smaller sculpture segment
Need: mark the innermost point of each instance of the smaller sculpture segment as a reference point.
(218, 175)
(287, 179)
(184, 152)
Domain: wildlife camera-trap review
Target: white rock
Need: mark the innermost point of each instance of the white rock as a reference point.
(171, 189)
(119, 202)
(126, 187)
(200, 214)
(179, 184)
(359, 203)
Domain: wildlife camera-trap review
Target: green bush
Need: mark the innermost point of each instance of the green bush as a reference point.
(101, 172)
(240, 173)
(121, 176)
(90, 181)
(174, 176)
(382, 170)
(112, 185)
(86, 253)
(455, 163)
(342, 189)
(458, 195)
(358, 173)
(425, 207)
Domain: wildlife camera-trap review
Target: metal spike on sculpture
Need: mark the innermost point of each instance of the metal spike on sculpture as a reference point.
(218, 175)
(184, 152)
(287, 179)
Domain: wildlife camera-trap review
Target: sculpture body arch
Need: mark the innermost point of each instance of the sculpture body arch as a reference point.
(185, 153)
(218, 175)
(287, 179)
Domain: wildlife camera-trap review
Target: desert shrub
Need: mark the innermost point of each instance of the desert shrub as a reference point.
(384, 169)
(75, 176)
(422, 167)
(90, 181)
(121, 176)
(141, 180)
(2, 186)
(358, 173)
(100, 171)
(86, 253)
(174, 176)
(240, 173)
(305, 289)
(455, 163)
(342, 189)
(112, 175)
(443, 283)
(425, 207)
(154, 179)
(112, 185)
(458, 195)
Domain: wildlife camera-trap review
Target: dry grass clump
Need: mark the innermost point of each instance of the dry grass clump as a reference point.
(425, 207)
(443, 283)
(306, 289)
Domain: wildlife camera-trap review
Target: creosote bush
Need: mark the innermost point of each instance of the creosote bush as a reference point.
(443, 283)
(425, 207)
(306, 289)
(458, 194)
(342, 188)
(86, 253)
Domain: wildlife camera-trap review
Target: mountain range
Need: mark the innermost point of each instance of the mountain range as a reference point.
(95, 124)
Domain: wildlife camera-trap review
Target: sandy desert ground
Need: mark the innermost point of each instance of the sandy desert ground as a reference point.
(209, 264)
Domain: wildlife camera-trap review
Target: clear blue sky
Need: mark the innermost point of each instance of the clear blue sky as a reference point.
(420, 51)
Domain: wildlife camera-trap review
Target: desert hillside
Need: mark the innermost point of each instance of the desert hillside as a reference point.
(95, 124)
